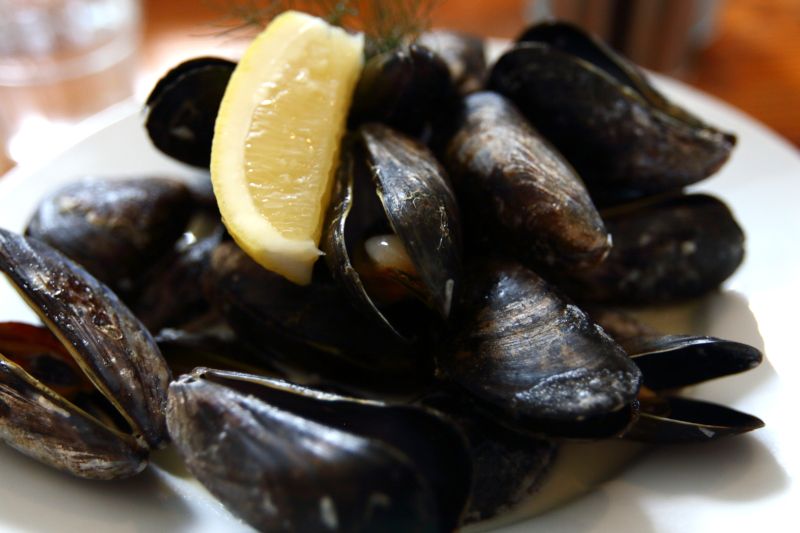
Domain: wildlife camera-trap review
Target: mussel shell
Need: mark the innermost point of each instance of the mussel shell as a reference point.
(343, 230)
(287, 458)
(182, 108)
(464, 55)
(513, 181)
(673, 361)
(682, 420)
(664, 250)
(40, 423)
(113, 348)
(172, 292)
(522, 350)
(313, 328)
(420, 206)
(508, 467)
(403, 88)
(115, 228)
(623, 142)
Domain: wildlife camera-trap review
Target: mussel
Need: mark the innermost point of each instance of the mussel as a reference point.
(519, 190)
(115, 228)
(310, 328)
(624, 138)
(665, 249)
(405, 88)
(538, 361)
(183, 106)
(288, 458)
(389, 184)
(671, 362)
(111, 347)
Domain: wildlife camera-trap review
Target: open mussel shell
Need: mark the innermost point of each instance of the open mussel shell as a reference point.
(107, 342)
(676, 420)
(513, 181)
(287, 458)
(523, 351)
(420, 206)
(182, 108)
(115, 228)
(672, 361)
(416, 204)
(664, 250)
(623, 137)
(464, 55)
(43, 425)
(311, 328)
(403, 88)
(669, 362)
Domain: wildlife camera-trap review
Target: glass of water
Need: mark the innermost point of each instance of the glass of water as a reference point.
(61, 61)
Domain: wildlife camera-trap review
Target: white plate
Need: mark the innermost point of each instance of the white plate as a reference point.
(741, 484)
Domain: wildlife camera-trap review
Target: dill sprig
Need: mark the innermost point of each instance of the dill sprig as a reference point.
(386, 23)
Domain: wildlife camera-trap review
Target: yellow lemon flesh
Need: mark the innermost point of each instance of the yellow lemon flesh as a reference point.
(277, 136)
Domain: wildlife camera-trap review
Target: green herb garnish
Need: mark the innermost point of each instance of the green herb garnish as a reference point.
(386, 24)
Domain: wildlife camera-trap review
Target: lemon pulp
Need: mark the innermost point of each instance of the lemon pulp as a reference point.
(277, 136)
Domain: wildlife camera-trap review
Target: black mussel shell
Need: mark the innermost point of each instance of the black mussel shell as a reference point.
(215, 345)
(420, 206)
(510, 179)
(664, 250)
(182, 108)
(403, 88)
(464, 55)
(107, 341)
(43, 425)
(172, 292)
(622, 136)
(525, 352)
(287, 458)
(311, 328)
(111, 347)
(115, 228)
(507, 466)
(672, 361)
(671, 420)
(415, 203)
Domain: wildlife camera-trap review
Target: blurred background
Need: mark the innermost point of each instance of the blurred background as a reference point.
(64, 60)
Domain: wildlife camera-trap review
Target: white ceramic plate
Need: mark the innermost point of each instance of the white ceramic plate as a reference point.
(743, 484)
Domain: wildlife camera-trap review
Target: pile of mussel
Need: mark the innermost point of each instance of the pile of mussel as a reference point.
(486, 223)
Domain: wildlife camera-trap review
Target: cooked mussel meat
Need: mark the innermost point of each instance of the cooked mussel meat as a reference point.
(182, 108)
(510, 179)
(623, 137)
(113, 350)
(288, 458)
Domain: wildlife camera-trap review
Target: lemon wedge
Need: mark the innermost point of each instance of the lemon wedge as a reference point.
(277, 136)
